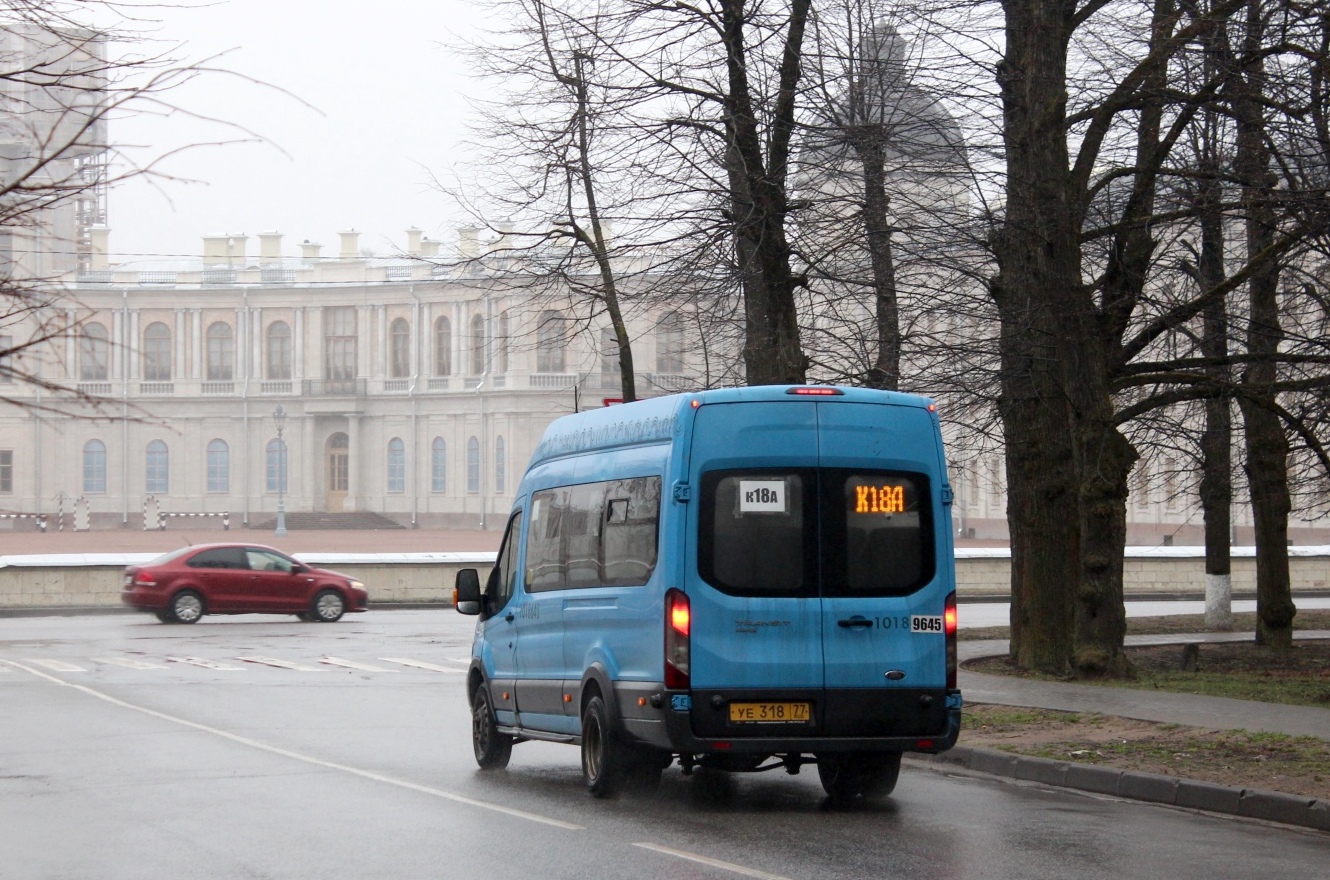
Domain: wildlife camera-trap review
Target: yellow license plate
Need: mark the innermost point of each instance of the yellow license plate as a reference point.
(769, 713)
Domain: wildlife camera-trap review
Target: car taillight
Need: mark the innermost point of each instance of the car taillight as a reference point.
(678, 622)
(949, 630)
(144, 579)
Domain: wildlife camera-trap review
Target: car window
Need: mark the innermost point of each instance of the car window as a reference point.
(503, 577)
(878, 533)
(266, 560)
(219, 557)
(593, 535)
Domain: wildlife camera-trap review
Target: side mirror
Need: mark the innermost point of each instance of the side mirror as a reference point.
(299, 568)
(466, 592)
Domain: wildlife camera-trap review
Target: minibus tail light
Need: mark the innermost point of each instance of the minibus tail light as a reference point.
(678, 621)
(949, 631)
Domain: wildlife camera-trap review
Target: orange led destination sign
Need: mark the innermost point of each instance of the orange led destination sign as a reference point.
(879, 499)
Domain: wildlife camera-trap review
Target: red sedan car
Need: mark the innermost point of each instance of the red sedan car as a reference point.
(185, 584)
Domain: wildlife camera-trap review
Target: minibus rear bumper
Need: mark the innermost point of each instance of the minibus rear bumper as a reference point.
(679, 733)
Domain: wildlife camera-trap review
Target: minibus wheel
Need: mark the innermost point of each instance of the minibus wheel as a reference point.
(604, 760)
(846, 776)
(493, 749)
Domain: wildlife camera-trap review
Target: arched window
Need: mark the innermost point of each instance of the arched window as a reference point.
(275, 470)
(94, 353)
(399, 343)
(477, 345)
(156, 468)
(498, 467)
(549, 343)
(219, 466)
(473, 465)
(221, 353)
(438, 466)
(279, 351)
(396, 465)
(669, 344)
(443, 347)
(94, 466)
(157, 353)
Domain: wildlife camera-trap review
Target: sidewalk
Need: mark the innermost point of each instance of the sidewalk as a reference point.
(1193, 710)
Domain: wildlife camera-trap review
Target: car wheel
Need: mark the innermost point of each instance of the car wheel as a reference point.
(604, 759)
(493, 749)
(186, 607)
(328, 606)
(851, 775)
(164, 616)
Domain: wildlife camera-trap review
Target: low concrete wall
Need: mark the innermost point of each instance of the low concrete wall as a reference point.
(93, 580)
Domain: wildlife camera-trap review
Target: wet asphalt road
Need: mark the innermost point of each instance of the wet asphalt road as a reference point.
(129, 749)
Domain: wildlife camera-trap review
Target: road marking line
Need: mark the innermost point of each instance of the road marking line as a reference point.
(352, 664)
(420, 664)
(281, 664)
(128, 662)
(317, 762)
(58, 665)
(465, 661)
(715, 863)
(206, 664)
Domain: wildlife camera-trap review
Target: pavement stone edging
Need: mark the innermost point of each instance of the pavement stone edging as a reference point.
(1252, 803)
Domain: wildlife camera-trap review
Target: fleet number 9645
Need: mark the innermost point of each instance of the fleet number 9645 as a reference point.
(915, 623)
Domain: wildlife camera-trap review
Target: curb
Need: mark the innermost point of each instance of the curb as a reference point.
(1250, 803)
(86, 610)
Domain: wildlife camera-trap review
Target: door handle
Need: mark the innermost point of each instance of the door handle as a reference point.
(508, 617)
(855, 621)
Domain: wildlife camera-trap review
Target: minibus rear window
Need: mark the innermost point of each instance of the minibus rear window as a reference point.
(878, 534)
(755, 532)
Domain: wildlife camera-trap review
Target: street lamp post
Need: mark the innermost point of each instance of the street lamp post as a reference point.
(279, 417)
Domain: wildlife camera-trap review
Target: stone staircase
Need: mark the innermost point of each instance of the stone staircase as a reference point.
(355, 521)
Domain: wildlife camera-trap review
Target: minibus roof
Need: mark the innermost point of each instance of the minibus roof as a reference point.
(653, 420)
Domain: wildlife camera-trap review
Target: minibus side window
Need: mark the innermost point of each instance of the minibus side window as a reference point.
(757, 532)
(631, 531)
(503, 578)
(593, 535)
(544, 541)
(878, 537)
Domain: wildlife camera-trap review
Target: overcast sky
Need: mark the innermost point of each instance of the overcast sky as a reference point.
(386, 100)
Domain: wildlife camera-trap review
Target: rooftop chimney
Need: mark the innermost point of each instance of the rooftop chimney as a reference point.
(350, 245)
(504, 241)
(214, 248)
(101, 236)
(413, 236)
(309, 250)
(468, 246)
(429, 247)
(270, 247)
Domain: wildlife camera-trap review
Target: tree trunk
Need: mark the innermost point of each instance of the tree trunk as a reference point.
(1267, 445)
(1216, 491)
(759, 203)
(1038, 255)
(886, 370)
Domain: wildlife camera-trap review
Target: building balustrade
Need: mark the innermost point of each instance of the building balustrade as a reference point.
(218, 388)
(333, 387)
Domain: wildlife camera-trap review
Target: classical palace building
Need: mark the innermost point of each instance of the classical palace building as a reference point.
(411, 386)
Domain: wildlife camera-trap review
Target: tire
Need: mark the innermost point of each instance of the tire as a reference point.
(604, 759)
(165, 616)
(492, 748)
(186, 607)
(850, 776)
(328, 606)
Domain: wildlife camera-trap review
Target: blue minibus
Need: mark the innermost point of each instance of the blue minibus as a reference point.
(741, 579)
